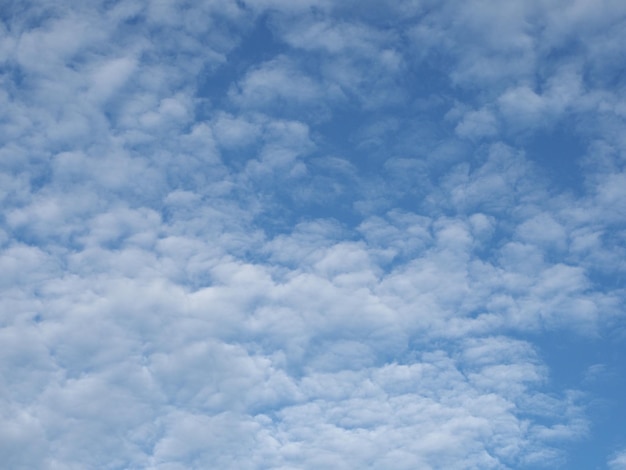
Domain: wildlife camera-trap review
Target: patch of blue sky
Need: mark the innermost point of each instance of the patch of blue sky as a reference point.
(593, 366)
(258, 45)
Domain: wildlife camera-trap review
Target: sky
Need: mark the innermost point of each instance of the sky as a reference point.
(305, 234)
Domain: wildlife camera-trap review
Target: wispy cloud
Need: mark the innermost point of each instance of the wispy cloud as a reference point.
(618, 461)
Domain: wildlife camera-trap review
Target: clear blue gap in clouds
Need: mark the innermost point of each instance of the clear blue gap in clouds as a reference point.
(256, 45)
(558, 151)
(595, 366)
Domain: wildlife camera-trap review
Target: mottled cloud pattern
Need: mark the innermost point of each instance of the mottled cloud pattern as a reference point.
(270, 234)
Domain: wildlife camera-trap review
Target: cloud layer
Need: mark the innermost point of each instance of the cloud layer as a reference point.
(268, 234)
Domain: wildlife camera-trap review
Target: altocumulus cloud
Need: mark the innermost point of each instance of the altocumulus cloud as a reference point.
(275, 234)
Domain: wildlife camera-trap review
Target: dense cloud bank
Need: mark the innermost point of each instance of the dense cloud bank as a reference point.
(278, 234)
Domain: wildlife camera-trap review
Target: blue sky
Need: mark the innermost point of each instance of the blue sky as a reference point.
(271, 234)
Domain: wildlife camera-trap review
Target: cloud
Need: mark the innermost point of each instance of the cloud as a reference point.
(277, 82)
(327, 249)
(618, 461)
(342, 50)
(477, 124)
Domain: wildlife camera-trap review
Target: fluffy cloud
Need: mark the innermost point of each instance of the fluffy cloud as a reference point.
(269, 234)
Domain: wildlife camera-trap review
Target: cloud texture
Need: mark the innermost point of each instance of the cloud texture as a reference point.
(275, 234)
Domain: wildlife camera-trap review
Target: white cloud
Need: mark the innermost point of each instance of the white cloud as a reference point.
(278, 82)
(344, 49)
(618, 461)
(179, 289)
(543, 230)
(335, 38)
(109, 77)
(477, 124)
(232, 131)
